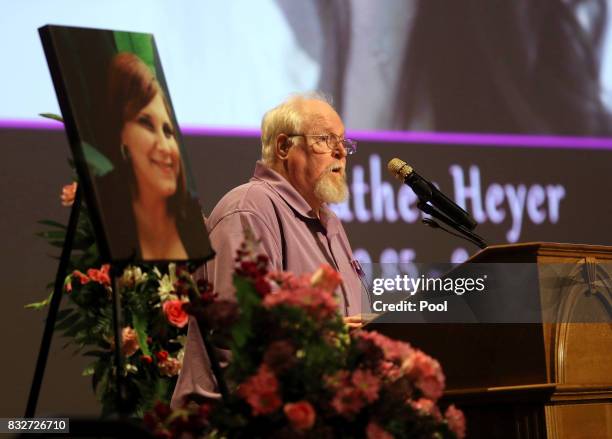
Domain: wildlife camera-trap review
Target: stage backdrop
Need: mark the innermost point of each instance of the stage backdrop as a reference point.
(403, 76)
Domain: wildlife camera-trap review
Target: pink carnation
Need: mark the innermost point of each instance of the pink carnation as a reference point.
(427, 373)
(426, 407)
(169, 367)
(83, 278)
(348, 401)
(261, 391)
(317, 303)
(100, 276)
(375, 431)
(326, 278)
(338, 380)
(393, 350)
(456, 421)
(367, 383)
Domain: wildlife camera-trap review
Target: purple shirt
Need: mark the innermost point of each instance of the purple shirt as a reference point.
(291, 236)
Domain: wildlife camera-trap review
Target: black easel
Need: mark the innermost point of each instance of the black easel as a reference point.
(56, 298)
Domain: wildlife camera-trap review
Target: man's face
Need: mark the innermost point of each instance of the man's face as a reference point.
(320, 177)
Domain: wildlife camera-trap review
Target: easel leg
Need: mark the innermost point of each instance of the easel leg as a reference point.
(45, 345)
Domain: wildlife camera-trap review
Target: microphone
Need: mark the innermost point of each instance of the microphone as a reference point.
(427, 192)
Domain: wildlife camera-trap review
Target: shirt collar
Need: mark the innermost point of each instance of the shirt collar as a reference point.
(293, 198)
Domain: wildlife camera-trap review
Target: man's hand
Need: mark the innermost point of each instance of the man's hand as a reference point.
(354, 322)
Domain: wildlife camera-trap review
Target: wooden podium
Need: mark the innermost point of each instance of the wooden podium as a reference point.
(534, 380)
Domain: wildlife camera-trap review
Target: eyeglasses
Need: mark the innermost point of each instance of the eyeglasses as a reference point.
(329, 142)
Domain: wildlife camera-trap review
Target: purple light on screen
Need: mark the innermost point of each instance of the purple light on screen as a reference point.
(463, 139)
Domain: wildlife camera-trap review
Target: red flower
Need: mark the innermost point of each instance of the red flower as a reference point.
(176, 315)
(301, 415)
(161, 356)
(68, 194)
(101, 276)
(81, 277)
(162, 410)
(129, 344)
(326, 278)
(456, 421)
(147, 359)
(375, 431)
(261, 392)
(262, 286)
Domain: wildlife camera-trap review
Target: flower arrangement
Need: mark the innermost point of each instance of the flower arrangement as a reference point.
(297, 371)
(154, 321)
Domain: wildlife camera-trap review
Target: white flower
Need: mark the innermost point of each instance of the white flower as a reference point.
(166, 284)
(132, 276)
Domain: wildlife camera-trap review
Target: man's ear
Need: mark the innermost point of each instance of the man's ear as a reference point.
(282, 146)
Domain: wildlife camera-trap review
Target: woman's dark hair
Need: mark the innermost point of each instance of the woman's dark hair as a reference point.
(131, 87)
(524, 66)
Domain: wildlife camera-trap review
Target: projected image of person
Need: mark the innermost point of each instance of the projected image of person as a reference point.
(142, 146)
(506, 67)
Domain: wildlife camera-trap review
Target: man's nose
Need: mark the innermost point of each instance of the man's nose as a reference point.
(339, 151)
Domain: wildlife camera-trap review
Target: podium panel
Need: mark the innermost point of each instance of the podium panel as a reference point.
(535, 380)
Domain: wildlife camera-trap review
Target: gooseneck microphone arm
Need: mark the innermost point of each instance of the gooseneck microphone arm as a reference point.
(433, 202)
(462, 231)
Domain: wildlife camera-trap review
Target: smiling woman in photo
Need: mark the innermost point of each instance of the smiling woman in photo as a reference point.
(143, 148)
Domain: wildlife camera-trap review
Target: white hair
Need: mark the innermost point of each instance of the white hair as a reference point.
(285, 118)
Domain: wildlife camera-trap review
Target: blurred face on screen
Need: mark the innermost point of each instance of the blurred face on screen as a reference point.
(150, 141)
(317, 163)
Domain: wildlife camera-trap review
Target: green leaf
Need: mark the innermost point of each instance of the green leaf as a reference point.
(52, 234)
(99, 164)
(41, 304)
(53, 116)
(88, 371)
(52, 223)
(140, 326)
(67, 322)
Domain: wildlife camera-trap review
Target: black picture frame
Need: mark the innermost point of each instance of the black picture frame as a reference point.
(83, 64)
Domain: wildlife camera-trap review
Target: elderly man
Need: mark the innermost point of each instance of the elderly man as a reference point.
(302, 169)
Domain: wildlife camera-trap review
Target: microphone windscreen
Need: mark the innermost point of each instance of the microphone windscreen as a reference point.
(399, 169)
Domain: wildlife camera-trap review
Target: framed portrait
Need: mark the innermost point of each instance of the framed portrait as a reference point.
(127, 147)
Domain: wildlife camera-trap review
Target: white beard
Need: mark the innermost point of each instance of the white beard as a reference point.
(331, 187)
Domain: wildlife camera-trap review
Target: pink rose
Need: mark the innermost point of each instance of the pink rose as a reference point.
(129, 344)
(68, 194)
(176, 315)
(301, 415)
(375, 431)
(326, 278)
(456, 421)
